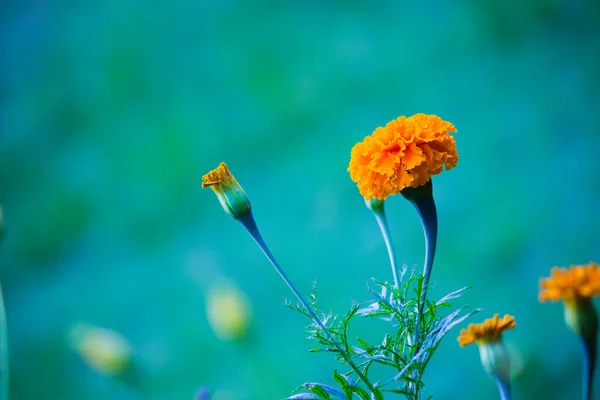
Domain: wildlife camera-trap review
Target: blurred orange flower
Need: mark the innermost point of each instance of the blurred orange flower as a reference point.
(407, 152)
(570, 285)
(488, 331)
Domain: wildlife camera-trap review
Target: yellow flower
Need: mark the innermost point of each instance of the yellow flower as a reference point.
(407, 152)
(488, 331)
(228, 311)
(232, 197)
(103, 350)
(571, 285)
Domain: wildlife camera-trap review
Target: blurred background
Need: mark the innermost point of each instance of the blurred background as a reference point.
(111, 111)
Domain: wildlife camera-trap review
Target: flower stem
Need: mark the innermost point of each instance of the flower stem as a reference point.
(379, 213)
(504, 388)
(589, 346)
(250, 225)
(248, 222)
(4, 371)
(582, 318)
(422, 199)
(135, 378)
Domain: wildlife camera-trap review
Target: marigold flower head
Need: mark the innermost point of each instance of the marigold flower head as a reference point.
(229, 192)
(570, 285)
(488, 331)
(407, 152)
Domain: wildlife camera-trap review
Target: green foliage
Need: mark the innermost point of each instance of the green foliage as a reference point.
(400, 352)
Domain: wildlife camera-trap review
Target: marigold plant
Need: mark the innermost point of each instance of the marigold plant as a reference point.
(398, 158)
(415, 327)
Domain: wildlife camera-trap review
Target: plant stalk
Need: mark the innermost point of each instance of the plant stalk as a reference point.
(379, 213)
(422, 199)
(250, 225)
(590, 348)
(504, 388)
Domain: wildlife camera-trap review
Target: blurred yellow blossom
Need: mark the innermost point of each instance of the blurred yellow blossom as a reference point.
(103, 350)
(228, 310)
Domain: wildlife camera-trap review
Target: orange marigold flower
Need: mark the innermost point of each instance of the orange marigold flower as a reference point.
(570, 285)
(489, 331)
(407, 152)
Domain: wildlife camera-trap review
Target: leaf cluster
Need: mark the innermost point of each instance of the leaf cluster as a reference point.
(404, 351)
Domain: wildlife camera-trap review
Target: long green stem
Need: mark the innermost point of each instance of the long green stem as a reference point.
(377, 206)
(582, 318)
(422, 199)
(504, 388)
(248, 222)
(589, 347)
(4, 369)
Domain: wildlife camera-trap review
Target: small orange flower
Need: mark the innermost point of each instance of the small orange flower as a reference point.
(407, 152)
(570, 285)
(489, 331)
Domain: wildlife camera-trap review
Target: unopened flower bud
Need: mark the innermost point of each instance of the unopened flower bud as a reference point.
(232, 197)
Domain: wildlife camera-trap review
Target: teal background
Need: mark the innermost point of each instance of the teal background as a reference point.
(111, 111)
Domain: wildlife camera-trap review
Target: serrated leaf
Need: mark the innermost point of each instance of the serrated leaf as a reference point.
(407, 379)
(351, 382)
(340, 379)
(362, 393)
(454, 295)
(318, 390)
(325, 391)
(386, 341)
(363, 343)
(398, 391)
(303, 396)
(377, 395)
